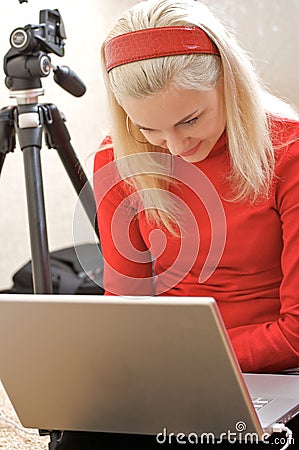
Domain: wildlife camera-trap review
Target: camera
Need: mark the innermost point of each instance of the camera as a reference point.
(49, 35)
(28, 60)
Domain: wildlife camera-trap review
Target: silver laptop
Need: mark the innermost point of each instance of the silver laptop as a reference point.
(149, 365)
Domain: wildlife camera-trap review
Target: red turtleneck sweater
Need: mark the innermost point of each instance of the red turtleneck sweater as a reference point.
(244, 255)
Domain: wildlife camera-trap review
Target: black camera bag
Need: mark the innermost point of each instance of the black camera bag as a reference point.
(68, 275)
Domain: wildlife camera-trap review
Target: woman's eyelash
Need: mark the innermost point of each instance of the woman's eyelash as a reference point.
(146, 130)
(188, 123)
(191, 121)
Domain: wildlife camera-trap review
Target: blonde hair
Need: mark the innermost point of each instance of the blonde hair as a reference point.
(247, 103)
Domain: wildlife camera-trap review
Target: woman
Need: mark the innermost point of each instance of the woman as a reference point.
(198, 185)
(206, 108)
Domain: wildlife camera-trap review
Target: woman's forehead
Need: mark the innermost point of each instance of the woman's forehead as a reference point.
(168, 106)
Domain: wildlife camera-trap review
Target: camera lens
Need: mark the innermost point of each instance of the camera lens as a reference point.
(18, 38)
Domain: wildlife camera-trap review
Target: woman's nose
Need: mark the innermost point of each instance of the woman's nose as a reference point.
(176, 143)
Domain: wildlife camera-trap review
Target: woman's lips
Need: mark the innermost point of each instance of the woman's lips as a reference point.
(191, 151)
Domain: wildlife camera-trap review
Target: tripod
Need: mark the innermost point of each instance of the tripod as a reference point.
(24, 64)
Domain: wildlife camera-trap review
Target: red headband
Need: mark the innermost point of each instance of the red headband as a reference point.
(156, 42)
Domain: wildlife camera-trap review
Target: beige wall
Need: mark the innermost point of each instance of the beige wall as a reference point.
(268, 28)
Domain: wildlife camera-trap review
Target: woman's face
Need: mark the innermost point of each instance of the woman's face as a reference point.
(187, 123)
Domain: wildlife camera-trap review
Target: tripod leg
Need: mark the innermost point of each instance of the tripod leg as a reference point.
(55, 437)
(2, 159)
(7, 133)
(42, 281)
(58, 137)
(29, 127)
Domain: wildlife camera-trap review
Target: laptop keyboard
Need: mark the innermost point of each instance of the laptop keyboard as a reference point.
(260, 402)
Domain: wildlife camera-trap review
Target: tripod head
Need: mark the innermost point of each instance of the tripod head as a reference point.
(28, 59)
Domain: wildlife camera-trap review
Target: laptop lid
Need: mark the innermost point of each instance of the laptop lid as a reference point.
(120, 364)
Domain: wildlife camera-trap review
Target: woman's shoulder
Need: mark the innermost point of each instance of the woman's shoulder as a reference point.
(285, 139)
(284, 130)
(105, 154)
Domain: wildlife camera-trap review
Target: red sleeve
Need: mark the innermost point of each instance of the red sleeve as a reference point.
(127, 262)
(273, 346)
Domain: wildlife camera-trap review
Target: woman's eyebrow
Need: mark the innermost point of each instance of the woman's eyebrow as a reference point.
(177, 123)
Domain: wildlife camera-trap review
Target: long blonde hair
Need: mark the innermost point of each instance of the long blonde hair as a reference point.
(247, 102)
